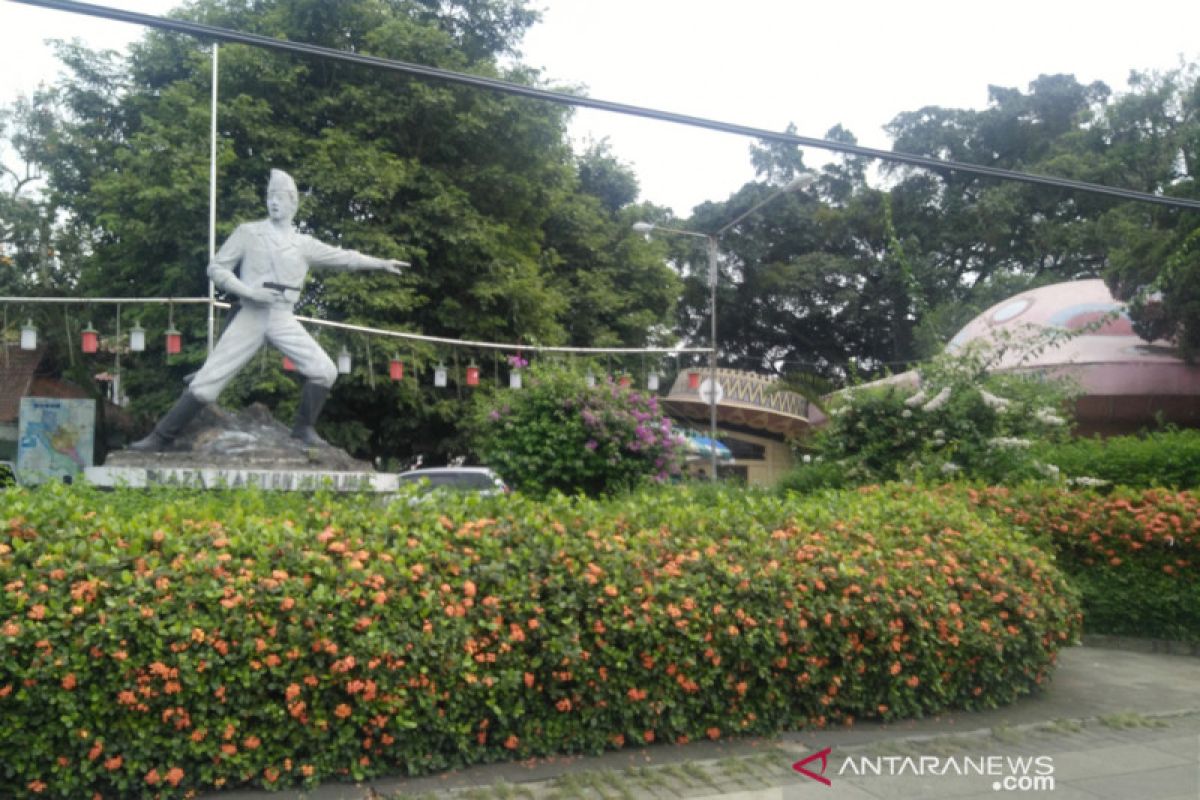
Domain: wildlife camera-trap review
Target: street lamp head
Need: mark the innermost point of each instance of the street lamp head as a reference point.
(801, 181)
(644, 227)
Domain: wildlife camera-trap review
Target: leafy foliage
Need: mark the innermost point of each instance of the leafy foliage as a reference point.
(559, 434)
(165, 643)
(1168, 458)
(1134, 555)
(847, 278)
(964, 420)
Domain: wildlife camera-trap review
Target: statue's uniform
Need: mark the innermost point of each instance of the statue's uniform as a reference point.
(259, 253)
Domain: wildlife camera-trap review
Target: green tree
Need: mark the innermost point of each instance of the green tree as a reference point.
(512, 238)
(870, 279)
(31, 240)
(1153, 139)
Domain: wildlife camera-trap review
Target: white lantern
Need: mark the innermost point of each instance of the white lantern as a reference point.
(590, 378)
(344, 362)
(29, 336)
(652, 381)
(137, 338)
(514, 379)
(439, 376)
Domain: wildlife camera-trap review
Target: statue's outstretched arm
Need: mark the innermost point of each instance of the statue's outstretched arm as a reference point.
(324, 256)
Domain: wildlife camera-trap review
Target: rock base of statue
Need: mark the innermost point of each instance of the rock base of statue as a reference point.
(230, 449)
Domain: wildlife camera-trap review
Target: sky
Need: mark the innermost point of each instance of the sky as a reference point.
(761, 63)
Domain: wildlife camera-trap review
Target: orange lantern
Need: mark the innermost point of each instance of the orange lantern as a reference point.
(396, 369)
(288, 365)
(625, 381)
(472, 375)
(174, 341)
(693, 380)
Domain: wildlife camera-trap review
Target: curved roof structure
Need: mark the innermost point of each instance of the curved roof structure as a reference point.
(1125, 381)
(747, 400)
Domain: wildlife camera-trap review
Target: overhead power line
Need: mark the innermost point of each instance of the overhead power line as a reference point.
(938, 165)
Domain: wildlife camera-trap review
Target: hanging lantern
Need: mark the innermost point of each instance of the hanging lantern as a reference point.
(625, 381)
(439, 376)
(28, 336)
(137, 338)
(590, 378)
(174, 341)
(396, 369)
(288, 366)
(344, 362)
(472, 374)
(90, 339)
(514, 379)
(652, 381)
(694, 380)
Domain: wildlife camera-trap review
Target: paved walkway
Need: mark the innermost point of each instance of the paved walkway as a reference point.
(1114, 725)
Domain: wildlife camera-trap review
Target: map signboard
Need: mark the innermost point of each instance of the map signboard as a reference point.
(55, 438)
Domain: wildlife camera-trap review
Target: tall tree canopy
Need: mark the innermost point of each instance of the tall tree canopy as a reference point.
(849, 278)
(512, 237)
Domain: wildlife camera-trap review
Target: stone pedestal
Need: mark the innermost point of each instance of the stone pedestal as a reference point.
(228, 449)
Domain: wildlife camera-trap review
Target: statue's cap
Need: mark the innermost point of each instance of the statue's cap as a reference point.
(282, 182)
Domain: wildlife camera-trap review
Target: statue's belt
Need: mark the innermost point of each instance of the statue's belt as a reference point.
(236, 305)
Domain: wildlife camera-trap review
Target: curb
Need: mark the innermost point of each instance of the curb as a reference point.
(1137, 644)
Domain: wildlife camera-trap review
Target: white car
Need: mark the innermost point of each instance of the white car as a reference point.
(459, 479)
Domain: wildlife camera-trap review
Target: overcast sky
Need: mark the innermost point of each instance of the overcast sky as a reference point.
(762, 63)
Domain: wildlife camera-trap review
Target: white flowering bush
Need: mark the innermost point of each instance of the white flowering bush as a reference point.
(964, 421)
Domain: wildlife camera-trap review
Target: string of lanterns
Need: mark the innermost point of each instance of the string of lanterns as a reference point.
(91, 342)
(472, 373)
(89, 338)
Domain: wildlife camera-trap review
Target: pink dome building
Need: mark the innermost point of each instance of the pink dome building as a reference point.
(1127, 382)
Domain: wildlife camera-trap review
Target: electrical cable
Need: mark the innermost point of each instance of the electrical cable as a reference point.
(937, 165)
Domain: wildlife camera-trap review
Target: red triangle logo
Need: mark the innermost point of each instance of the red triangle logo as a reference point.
(821, 754)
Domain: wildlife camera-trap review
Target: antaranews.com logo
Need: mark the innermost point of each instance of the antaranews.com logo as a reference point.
(1008, 773)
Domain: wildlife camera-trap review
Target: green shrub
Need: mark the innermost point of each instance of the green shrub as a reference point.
(817, 475)
(1134, 554)
(162, 643)
(965, 421)
(1169, 458)
(559, 434)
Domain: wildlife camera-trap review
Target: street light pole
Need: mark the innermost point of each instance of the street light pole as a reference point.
(801, 181)
(710, 242)
(712, 352)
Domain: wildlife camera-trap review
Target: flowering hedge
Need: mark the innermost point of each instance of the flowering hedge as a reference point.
(1133, 554)
(156, 644)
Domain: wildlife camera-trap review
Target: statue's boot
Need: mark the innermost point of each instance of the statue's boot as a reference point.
(312, 398)
(164, 433)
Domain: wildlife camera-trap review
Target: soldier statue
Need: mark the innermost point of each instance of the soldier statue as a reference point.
(265, 263)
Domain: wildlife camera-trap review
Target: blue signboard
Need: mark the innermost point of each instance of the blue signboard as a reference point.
(55, 438)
